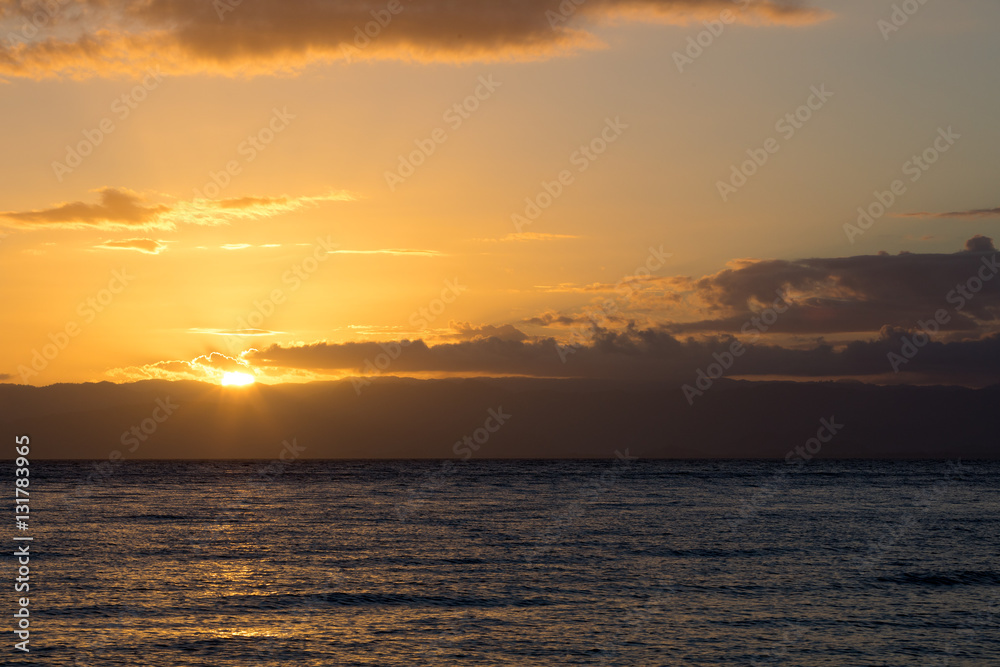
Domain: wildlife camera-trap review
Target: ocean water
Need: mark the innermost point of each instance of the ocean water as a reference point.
(612, 562)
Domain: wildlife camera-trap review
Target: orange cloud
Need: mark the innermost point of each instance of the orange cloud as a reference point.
(120, 208)
(231, 37)
(148, 246)
(530, 236)
(206, 368)
(970, 213)
(628, 284)
(405, 252)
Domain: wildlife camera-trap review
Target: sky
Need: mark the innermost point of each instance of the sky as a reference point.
(261, 191)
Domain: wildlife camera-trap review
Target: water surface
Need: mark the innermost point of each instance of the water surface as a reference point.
(516, 563)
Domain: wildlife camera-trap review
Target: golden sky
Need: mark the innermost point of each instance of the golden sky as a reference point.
(271, 188)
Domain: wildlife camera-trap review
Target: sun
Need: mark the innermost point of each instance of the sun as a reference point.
(237, 379)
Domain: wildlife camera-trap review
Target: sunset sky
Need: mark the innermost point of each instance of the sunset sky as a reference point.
(193, 189)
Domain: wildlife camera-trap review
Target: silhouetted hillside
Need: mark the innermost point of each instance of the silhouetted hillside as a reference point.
(399, 418)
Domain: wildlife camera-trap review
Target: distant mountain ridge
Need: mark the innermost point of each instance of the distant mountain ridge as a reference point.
(403, 418)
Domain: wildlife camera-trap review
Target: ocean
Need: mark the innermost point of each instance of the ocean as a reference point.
(599, 562)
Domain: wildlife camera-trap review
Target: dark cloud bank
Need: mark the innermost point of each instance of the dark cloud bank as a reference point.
(880, 308)
(102, 37)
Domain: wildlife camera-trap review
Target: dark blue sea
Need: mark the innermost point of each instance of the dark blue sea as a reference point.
(611, 562)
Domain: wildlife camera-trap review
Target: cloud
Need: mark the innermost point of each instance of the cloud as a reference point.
(467, 331)
(235, 332)
(390, 251)
(874, 304)
(206, 368)
(249, 202)
(529, 236)
(86, 38)
(975, 361)
(979, 243)
(120, 208)
(243, 246)
(628, 284)
(6, 377)
(148, 246)
(253, 207)
(554, 319)
(859, 294)
(972, 213)
(797, 301)
(488, 356)
(224, 211)
(632, 354)
(644, 355)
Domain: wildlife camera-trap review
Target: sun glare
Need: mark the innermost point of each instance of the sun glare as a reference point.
(236, 379)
